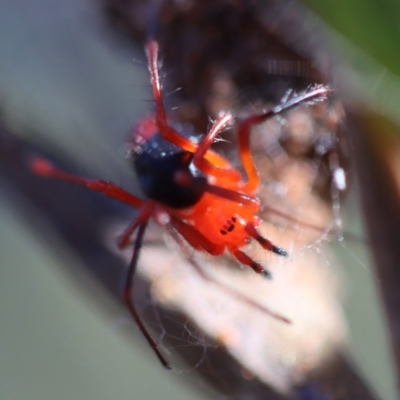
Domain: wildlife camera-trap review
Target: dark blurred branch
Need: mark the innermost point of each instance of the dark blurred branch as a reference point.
(376, 148)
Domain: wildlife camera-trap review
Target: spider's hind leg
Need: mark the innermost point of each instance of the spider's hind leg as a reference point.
(265, 243)
(203, 274)
(144, 215)
(127, 293)
(244, 259)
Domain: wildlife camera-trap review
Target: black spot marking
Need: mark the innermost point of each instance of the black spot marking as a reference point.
(229, 226)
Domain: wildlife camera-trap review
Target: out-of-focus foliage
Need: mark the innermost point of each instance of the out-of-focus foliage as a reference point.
(371, 25)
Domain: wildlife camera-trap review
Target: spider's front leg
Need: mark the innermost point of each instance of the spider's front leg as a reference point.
(42, 167)
(317, 93)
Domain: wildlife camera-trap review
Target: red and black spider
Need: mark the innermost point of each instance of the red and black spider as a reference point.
(190, 188)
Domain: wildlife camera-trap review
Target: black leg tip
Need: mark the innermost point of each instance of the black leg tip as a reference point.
(266, 274)
(279, 251)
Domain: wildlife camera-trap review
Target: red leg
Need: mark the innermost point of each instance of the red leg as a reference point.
(127, 293)
(233, 195)
(230, 291)
(195, 238)
(199, 158)
(166, 131)
(161, 117)
(145, 213)
(44, 168)
(219, 124)
(265, 243)
(246, 260)
(318, 93)
(185, 178)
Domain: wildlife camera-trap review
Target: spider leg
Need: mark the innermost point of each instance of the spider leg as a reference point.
(245, 125)
(200, 155)
(225, 288)
(128, 287)
(185, 178)
(265, 243)
(200, 242)
(44, 168)
(144, 214)
(233, 195)
(125, 239)
(244, 259)
(167, 132)
(195, 238)
(244, 130)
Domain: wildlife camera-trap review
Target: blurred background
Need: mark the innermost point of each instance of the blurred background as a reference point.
(72, 87)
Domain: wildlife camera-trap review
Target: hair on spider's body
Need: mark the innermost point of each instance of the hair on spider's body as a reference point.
(189, 187)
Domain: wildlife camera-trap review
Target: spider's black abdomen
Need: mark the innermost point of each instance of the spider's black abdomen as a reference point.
(157, 162)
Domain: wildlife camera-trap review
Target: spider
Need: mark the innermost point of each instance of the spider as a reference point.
(190, 188)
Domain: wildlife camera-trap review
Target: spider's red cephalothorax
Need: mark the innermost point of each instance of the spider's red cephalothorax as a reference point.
(190, 188)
